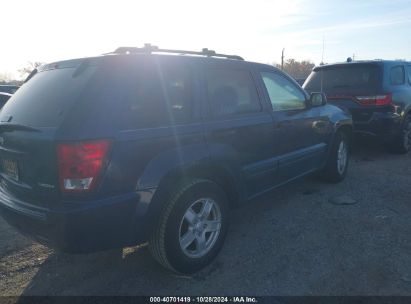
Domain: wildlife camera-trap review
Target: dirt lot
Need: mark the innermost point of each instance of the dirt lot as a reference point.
(308, 238)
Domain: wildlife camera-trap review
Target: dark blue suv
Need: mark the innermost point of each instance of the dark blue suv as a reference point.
(376, 92)
(156, 145)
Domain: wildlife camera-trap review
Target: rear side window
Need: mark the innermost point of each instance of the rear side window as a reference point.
(283, 94)
(231, 92)
(157, 95)
(397, 75)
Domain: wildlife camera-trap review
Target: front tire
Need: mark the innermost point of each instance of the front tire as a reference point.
(336, 167)
(192, 227)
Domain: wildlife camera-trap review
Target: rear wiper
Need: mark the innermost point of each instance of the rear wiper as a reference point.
(34, 72)
(6, 127)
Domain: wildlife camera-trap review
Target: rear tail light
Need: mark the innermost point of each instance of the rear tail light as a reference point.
(375, 100)
(80, 164)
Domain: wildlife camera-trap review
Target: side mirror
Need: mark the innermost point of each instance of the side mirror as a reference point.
(318, 99)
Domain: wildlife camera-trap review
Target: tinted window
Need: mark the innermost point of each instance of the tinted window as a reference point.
(46, 98)
(397, 75)
(409, 73)
(345, 79)
(3, 99)
(231, 92)
(284, 95)
(13, 90)
(118, 93)
(8, 88)
(156, 95)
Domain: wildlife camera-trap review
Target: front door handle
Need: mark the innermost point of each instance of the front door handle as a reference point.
(319, 124)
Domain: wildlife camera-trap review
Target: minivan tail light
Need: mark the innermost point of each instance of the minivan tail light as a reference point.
(374, 100)
(80, 164)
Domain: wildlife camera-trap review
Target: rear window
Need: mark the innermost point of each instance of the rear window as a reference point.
(120, 93)
(356, 78)
(44, 100)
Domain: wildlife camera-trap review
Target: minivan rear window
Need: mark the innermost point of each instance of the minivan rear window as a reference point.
(345, 78)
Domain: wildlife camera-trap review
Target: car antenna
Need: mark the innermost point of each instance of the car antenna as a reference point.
(322, 63)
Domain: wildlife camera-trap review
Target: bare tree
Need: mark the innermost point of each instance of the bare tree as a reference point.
(297, 69)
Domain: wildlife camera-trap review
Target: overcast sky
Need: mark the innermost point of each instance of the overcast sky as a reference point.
(50, 30)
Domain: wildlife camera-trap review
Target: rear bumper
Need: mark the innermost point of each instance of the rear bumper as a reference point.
(112, 222)
(385, 126)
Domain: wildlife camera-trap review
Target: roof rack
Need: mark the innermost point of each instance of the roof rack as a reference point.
(148, 49)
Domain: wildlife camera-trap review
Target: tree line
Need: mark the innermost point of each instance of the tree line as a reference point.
(7, 78)
(297, 69)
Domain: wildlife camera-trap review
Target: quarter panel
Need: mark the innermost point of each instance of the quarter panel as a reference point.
(141, 158)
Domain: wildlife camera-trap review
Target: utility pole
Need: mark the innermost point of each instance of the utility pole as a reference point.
(322, 54)
(282, 59)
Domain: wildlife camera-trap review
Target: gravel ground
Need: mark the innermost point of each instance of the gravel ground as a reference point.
(307, 238)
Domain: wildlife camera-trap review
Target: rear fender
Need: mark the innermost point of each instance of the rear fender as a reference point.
(171, 169)
(340, 120)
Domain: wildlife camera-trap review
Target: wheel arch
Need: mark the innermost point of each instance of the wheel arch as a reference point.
(346, 128)
(219, 174)
(176, 178)
(407, 112)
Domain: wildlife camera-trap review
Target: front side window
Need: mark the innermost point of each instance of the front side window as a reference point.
(231, 92)
(283, 94)
(397, 75)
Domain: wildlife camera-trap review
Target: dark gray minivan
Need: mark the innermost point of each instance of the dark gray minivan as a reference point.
(376, 92)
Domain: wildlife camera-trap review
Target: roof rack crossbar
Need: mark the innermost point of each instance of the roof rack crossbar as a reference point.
(148, 49)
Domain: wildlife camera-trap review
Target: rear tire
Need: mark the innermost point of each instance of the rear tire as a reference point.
(336, 167)
(402, 144)
(192, 227)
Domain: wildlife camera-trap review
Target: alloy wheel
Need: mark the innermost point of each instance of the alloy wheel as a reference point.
(200, 227)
